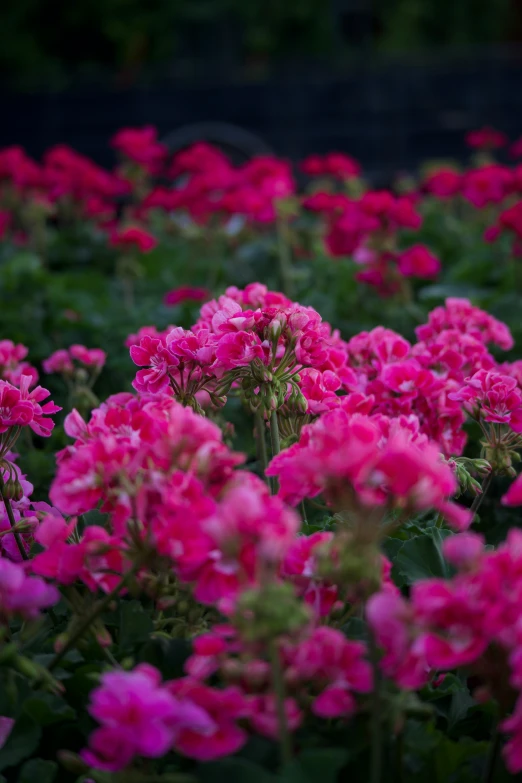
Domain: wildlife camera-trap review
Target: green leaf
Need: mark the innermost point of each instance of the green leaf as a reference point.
(355, 628)
(21, 743)
(234, 770)
(167, 655)
(135, 625)
(315, 766)
(421, 557)
(95, 518)
(46, 709)
(38, 771)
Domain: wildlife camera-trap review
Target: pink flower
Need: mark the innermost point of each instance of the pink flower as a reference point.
(494, 396)
(186, 294)
(6, 726)
(487, 185)
(238, 349)
(300, 567)
(392, 623)
(22, 594)
(486, 138)
(334, 164)
(58, 362)
(340, 451)
(21, 407)
(516, 149)
(463, 550)
(91, 357)
(417, 261)
(443, 183)
(151, 352)
(138, 716)
(513, 496)
(133, 237)
(264, 715)
(221, 736)
(460, 314)
(332, 667)
(140, 145)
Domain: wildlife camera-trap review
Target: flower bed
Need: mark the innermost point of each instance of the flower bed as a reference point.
(268, 526)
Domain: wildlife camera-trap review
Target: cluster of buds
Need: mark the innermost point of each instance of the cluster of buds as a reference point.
(269, 612)
(463, 467)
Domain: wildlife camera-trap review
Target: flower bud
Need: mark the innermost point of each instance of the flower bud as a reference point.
(72, 762)
(9, 490)
(256, 673)
(60, 642)
(269, 612)
(231, 670)
(103, 637)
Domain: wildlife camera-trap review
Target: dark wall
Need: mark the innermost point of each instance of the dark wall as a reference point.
(390, 115)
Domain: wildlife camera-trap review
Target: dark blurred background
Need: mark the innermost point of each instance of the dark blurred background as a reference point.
(391, 81)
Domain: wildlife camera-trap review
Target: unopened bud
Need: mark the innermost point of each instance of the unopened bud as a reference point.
(60, 642)
(103, 637)
(256, 673)
(482, 466)
(482, 694)
(8, 491)
(8, 654)
(302, 403)
(72, 762)
(82, 376)
(166, 602)
(292, 677)
(231, 670)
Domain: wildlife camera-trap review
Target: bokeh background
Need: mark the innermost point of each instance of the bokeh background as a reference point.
(391, 81)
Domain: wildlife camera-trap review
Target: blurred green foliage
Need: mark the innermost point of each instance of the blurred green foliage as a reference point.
(43, 42)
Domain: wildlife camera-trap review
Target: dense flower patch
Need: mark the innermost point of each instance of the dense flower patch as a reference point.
(275, 532)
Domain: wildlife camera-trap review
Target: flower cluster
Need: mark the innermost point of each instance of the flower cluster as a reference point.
(21, 594)
(150, 455)
(20, 406)
(66, 360)
(362, 462)
(471, 620)
(12, 364)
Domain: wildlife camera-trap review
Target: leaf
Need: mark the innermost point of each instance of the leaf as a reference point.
(38, 771)
(315, 766)
(95, 517)
(21, 743)
(135, 625)
(234, 770)
(167, 655)
(421, 557)
(46, 709)
(443, 291)
(355, 628)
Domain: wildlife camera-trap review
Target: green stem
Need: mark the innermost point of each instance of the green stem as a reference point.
(376, 722)
(275, 443)
(491, 762)
(399, 749)
(261, 444)
(279, 693)
(90, 617)
(285, 257)
(303, 514)
(12, 521)
(274, 434)
(477, 501)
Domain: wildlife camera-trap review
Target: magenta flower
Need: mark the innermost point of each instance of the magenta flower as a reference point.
(21, 594)
(139, 716)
